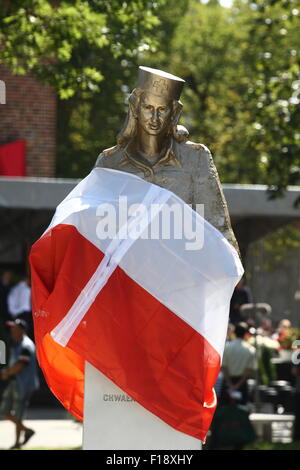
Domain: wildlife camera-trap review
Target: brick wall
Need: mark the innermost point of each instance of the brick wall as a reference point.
(30, 114)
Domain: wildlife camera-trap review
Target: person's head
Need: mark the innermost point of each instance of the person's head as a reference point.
(18, 329)
(154, 106)
(266, 325)
(230, 331)
(25, 278)
(250, 322)
(284, 324)
(6, 277)
(241, 329)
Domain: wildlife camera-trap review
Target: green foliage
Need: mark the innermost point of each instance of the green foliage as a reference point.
(266, 369)
(87, 51)
(274, 90)
(207, 55)
(242, 70)
(276, 247)
(283, 240)
(88, 123)
(291, 335)
(64, 43)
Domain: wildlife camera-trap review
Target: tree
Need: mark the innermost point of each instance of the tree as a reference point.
(242, 70)
(88, 123)
(274, 89)
(86, 51)
(66, 43)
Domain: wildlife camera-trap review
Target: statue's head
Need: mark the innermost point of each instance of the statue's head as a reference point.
(154, 113)
(154, 106)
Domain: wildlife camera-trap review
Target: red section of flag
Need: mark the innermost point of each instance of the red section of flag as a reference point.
(127, 334)
(12, 159)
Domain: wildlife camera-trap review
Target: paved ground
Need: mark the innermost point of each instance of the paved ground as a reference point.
(62, 432)
(55, 429)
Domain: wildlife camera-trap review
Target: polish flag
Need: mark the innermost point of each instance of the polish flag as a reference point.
(148, 310)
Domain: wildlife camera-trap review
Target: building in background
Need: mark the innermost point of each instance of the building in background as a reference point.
(27, 117)
(27, 149)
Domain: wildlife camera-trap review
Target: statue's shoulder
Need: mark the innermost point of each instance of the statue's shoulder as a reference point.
(109, 157)
(197, 158)
(194, 154)
(200, 148)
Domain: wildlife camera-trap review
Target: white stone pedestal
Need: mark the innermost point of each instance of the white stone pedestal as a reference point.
(112, 421)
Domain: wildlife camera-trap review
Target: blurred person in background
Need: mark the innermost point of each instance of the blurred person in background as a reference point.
(262, 336)
(296, 373)
(241, 296)
(5, 288)
(22, 377)
(282, 329)
(220, 380)
(231, 427)
(266, 328)
(19, 303)
(230, 332)
(267, 348)
(238, 365)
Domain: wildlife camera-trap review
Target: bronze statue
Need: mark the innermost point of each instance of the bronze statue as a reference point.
(153, 146)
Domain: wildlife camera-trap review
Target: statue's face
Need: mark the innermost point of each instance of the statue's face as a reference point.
(154, 114)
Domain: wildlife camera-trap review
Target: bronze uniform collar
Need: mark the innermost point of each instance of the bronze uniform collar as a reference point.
(169, 158)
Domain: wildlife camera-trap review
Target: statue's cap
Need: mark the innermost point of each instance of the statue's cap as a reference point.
(160, 83)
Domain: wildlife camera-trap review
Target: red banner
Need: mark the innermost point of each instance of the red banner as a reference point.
(12, 159)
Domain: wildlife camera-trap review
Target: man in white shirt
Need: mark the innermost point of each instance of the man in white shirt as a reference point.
(19, 298)
(19, 303)
(238, 365)
(22, 376)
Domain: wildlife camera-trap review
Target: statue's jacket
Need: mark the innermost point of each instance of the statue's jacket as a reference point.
(191, 175)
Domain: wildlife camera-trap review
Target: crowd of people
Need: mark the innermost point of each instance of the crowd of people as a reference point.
(248, 355)
(19, 371)
(251, 345)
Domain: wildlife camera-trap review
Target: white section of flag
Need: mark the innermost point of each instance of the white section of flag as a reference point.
(195, 285)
